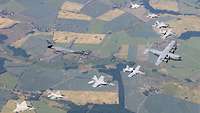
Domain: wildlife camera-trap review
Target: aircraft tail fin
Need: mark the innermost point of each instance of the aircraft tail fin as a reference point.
(50, 44)
(71, 43)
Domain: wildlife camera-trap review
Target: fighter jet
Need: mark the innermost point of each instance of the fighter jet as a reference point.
(54, 95)
(167, 33)
(68, 49)
(23, 107)
(98, 82)
(162, 31)
(167, 54)
(152, 15)
(134, 5)
(128, 69)
(136, 71)
(159, 25)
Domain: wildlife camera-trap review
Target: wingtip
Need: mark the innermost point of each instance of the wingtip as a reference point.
(146, 51)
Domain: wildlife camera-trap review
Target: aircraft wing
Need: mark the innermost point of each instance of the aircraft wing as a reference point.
(52, 97)
(94, 77)
(159, 60)
(95, 85)
(57, 92)
(23, 103)
(131, 74)
(169, 47)
(138, 68)
(101, 78)
(164, 36)
(155, 52)
(91, 82)
(71, 43)
(142, 73)
(32, 108)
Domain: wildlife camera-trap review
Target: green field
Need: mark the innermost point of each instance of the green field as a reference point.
(8, 81)
(190, 65)
(43, 107)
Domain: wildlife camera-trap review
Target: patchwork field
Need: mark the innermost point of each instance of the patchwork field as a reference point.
(189, 66)
(10, 106)
(70, 10)
(110, 15)
(80, 38)
(117, 37)
(187, 93)
(164, 5)
(123, 52)
(71, 6)
(96, 97)
(6, 23)
(185, 23)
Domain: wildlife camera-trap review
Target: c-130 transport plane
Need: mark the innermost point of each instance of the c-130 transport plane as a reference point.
(167, 54)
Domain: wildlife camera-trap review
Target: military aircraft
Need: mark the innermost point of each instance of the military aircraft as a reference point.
(162, 31)
(167, 54)
(167, 33)
(98, 82)
(128, 69)
(152, 15)
(134, 5)
(135, 71)
(54, 95)
(23, 107)
(159, 25)
(68, 49)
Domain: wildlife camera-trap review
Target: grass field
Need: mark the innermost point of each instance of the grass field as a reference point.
(43, 107)
(180, 91)
(10, 106)
(6, 22)
(110, 15)
(8, 81)
(185, 23)
(165, 5)
(13, 5)
(112, 42)
(190, 51)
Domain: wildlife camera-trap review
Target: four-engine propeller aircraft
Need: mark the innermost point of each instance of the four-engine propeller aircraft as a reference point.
(167, 54)
(98, 82)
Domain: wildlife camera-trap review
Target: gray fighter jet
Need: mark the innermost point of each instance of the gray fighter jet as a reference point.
(160, 25)
(68, 49)
(133, 71)
(167, 54)
(54, 95)
(98, 82)
(167, 33)
(152, 15)
(21, 107)
(134, 5)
